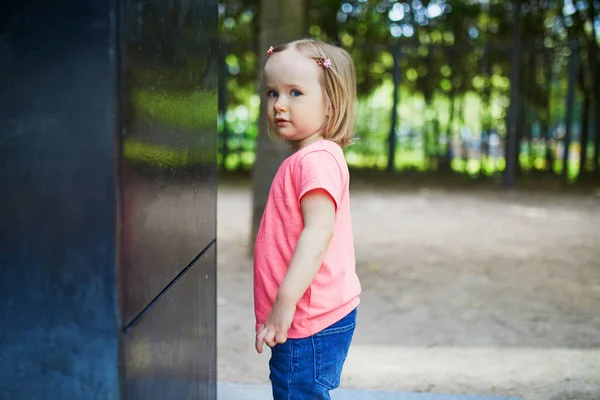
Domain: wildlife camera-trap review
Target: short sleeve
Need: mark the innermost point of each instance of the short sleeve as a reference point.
(319, 170)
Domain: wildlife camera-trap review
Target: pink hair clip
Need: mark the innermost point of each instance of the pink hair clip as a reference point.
(324, 62)
(270, 51)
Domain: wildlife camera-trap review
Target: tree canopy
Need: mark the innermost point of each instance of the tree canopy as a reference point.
(454, 67)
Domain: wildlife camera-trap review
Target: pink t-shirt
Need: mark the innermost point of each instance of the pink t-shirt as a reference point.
(334, 291)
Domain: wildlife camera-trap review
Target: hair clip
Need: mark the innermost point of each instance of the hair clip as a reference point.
(324, 62)
(270, 51)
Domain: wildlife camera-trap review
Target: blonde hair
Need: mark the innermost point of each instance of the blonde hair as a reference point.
(338, 83)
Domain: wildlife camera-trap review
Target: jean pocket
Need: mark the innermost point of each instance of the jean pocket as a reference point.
(331, 349)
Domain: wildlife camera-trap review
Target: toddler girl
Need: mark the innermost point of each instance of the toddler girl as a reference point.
(306, 290)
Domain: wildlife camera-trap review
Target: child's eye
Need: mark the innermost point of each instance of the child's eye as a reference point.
(271, 93)
(296, 93)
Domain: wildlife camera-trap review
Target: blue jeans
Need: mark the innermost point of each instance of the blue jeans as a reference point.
(307, 369)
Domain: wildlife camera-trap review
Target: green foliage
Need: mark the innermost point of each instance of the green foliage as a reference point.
(164, 156)
(454, 61)
(188, 110)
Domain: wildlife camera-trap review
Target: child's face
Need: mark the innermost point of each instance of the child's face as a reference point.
(295, 99)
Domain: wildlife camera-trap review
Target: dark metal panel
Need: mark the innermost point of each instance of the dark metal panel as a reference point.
(170, 352)
(169, 142)
(58, 313)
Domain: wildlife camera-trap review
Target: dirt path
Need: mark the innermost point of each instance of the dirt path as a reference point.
(466, 292)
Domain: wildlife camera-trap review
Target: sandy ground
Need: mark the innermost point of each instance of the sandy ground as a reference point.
(465, 291)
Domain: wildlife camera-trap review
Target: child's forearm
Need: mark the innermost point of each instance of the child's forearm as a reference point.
(308, 257)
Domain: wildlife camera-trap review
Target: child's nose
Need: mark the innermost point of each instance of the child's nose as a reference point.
(280, 105)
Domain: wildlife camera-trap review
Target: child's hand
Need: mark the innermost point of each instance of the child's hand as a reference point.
(276, 327)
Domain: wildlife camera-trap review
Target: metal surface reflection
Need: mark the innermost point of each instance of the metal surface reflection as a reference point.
(171, 351)
(168, 173)
(169, 143)
(87, 88)
(58, 311)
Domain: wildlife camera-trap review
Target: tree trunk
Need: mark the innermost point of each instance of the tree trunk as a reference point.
(531, 68)
(545, 125)
(585, 134)
(585, 123)
(281, 21)
(485, 113)
(446, 158)
(392, 137)
(572, 82)
(222, 90)
(464, 147)
(512, 149)
(596, 153)
(596, 91)
(594, 60)
(520, 134)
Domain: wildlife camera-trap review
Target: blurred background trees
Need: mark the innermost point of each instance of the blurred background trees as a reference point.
(486, 89)
(448, 64)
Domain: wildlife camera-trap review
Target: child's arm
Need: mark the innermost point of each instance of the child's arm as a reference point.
(318, 213)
